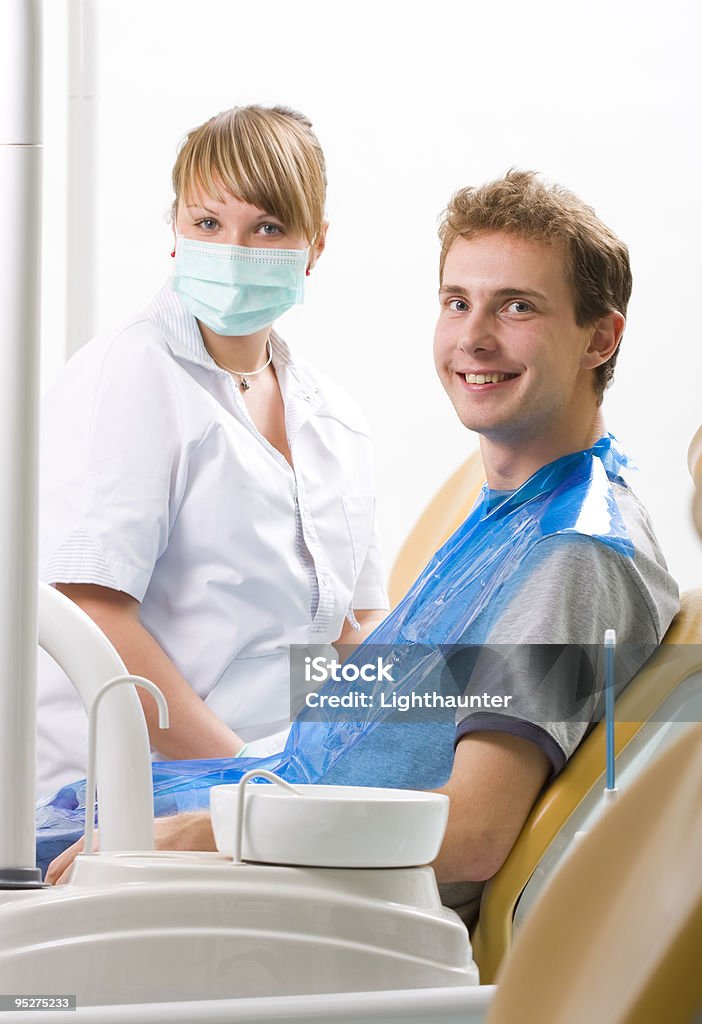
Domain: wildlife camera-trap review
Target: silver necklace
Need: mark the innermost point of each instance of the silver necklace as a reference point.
(244, 385)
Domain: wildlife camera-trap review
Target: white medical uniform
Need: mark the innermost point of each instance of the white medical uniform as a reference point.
(156, 482)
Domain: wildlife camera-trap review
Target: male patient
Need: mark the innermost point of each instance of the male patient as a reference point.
(533, 295)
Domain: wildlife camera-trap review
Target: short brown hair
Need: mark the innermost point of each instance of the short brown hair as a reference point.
(267, 156)
(523, 205)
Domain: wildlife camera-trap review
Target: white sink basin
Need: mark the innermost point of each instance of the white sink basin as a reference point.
(331, 826)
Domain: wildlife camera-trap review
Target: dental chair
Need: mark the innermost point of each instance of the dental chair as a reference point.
(617, 934)
(659, 704)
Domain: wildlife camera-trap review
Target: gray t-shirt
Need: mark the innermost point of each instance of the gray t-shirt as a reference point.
(544, 644)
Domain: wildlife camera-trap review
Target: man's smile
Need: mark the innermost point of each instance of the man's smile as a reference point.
(485, 379)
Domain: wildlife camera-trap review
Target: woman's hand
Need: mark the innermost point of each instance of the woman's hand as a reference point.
(189, 831)
(58, 871)
(350, 638)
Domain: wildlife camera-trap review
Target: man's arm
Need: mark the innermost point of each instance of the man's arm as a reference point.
(195, 731)
(495, 780)
(548, 626)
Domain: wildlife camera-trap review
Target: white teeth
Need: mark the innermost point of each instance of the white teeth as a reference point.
(486, 378)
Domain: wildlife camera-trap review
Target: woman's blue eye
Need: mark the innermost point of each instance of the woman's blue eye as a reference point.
(207, 223)
(270, 229)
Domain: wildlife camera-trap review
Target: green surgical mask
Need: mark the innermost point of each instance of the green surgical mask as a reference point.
(236, 290)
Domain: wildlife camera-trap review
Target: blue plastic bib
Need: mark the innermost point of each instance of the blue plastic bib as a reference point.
(449, 603)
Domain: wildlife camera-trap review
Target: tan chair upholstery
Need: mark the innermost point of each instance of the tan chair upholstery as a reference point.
(616, 937)
(694, 461)
(678, 658)
(440, 519)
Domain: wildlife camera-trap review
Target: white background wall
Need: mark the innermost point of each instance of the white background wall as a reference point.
(412, 100)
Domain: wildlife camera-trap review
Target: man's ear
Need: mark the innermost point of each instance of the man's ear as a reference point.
(604, 340)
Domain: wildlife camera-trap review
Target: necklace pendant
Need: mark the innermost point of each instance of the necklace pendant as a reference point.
(244, 384)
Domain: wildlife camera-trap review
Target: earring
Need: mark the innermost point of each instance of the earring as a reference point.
(308, 272)
(173, 253)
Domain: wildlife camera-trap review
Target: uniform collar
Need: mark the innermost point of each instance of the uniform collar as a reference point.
(184, 339)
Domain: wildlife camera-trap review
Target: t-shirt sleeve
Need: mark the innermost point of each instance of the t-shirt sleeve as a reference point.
(111, 468)
(544, 658)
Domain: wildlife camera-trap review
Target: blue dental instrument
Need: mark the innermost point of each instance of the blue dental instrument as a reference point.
(610, 643)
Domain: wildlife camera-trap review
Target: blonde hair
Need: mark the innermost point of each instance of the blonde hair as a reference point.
(597, 262)
(267, 156)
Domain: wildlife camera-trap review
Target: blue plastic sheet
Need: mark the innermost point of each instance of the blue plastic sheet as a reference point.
(449, 603)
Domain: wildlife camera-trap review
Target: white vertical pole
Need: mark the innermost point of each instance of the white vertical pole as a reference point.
(82, 124)
(20, 187)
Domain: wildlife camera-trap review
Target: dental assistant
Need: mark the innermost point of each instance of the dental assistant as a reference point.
(206, 497)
